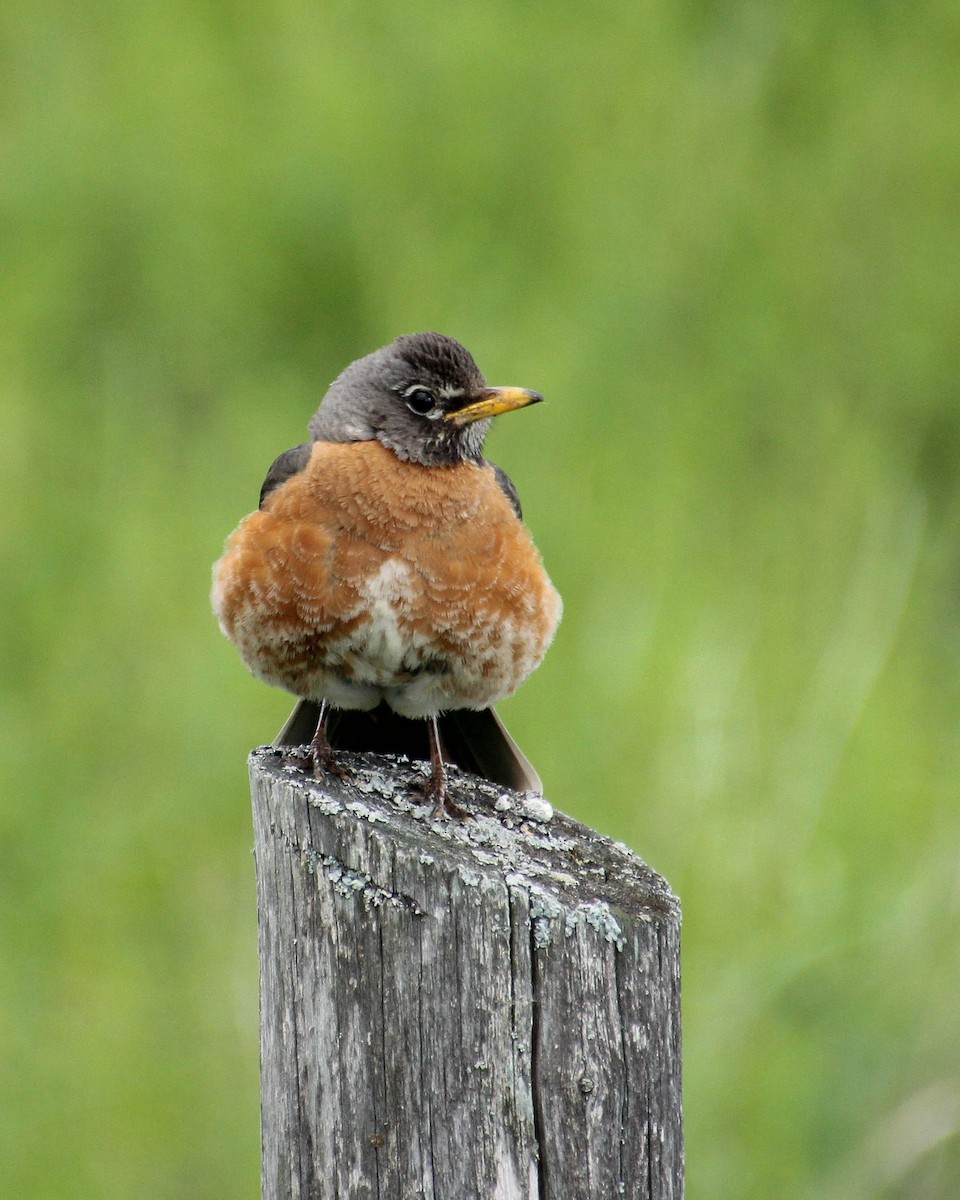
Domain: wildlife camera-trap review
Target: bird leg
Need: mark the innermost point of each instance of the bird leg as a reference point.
(435, 788)
(318, 754)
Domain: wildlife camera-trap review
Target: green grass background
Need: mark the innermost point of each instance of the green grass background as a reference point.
(724, 240)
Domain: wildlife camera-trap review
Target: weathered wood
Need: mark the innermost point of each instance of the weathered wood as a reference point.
(459, 1009)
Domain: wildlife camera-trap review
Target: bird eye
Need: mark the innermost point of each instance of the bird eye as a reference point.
(420, 401)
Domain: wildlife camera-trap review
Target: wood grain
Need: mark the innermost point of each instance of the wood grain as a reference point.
(457, 1009)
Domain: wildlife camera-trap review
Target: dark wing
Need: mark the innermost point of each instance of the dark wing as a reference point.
(506, 486)
(290, 462)
(479, 742)
(476, 742)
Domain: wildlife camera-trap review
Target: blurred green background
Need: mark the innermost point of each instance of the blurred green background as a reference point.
(724, 239)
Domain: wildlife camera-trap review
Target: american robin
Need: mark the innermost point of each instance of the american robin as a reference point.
(387, 578)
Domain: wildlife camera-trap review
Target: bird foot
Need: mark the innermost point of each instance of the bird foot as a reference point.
(434, 791)
(449, 808)
(318, 761)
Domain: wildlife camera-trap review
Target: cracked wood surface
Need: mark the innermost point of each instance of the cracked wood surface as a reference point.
(450, 1010)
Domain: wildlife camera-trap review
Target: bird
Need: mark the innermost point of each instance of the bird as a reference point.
(387, 579)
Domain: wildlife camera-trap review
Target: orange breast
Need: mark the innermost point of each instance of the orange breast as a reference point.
(368, 578)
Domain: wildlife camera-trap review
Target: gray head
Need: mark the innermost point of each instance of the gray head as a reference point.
(422, 396)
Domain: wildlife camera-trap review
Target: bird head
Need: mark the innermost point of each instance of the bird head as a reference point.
(423, 397)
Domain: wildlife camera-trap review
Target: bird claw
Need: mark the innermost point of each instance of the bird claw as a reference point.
(434, 791)
(449, 808)
(316, 761)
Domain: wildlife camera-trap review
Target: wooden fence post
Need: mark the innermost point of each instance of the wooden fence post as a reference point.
(459, 1010)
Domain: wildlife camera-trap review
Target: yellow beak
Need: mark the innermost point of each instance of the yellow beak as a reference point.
(492, 402)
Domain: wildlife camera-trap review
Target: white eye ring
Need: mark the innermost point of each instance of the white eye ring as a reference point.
(420, 401)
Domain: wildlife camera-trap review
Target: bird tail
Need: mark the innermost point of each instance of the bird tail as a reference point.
(475, 741)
